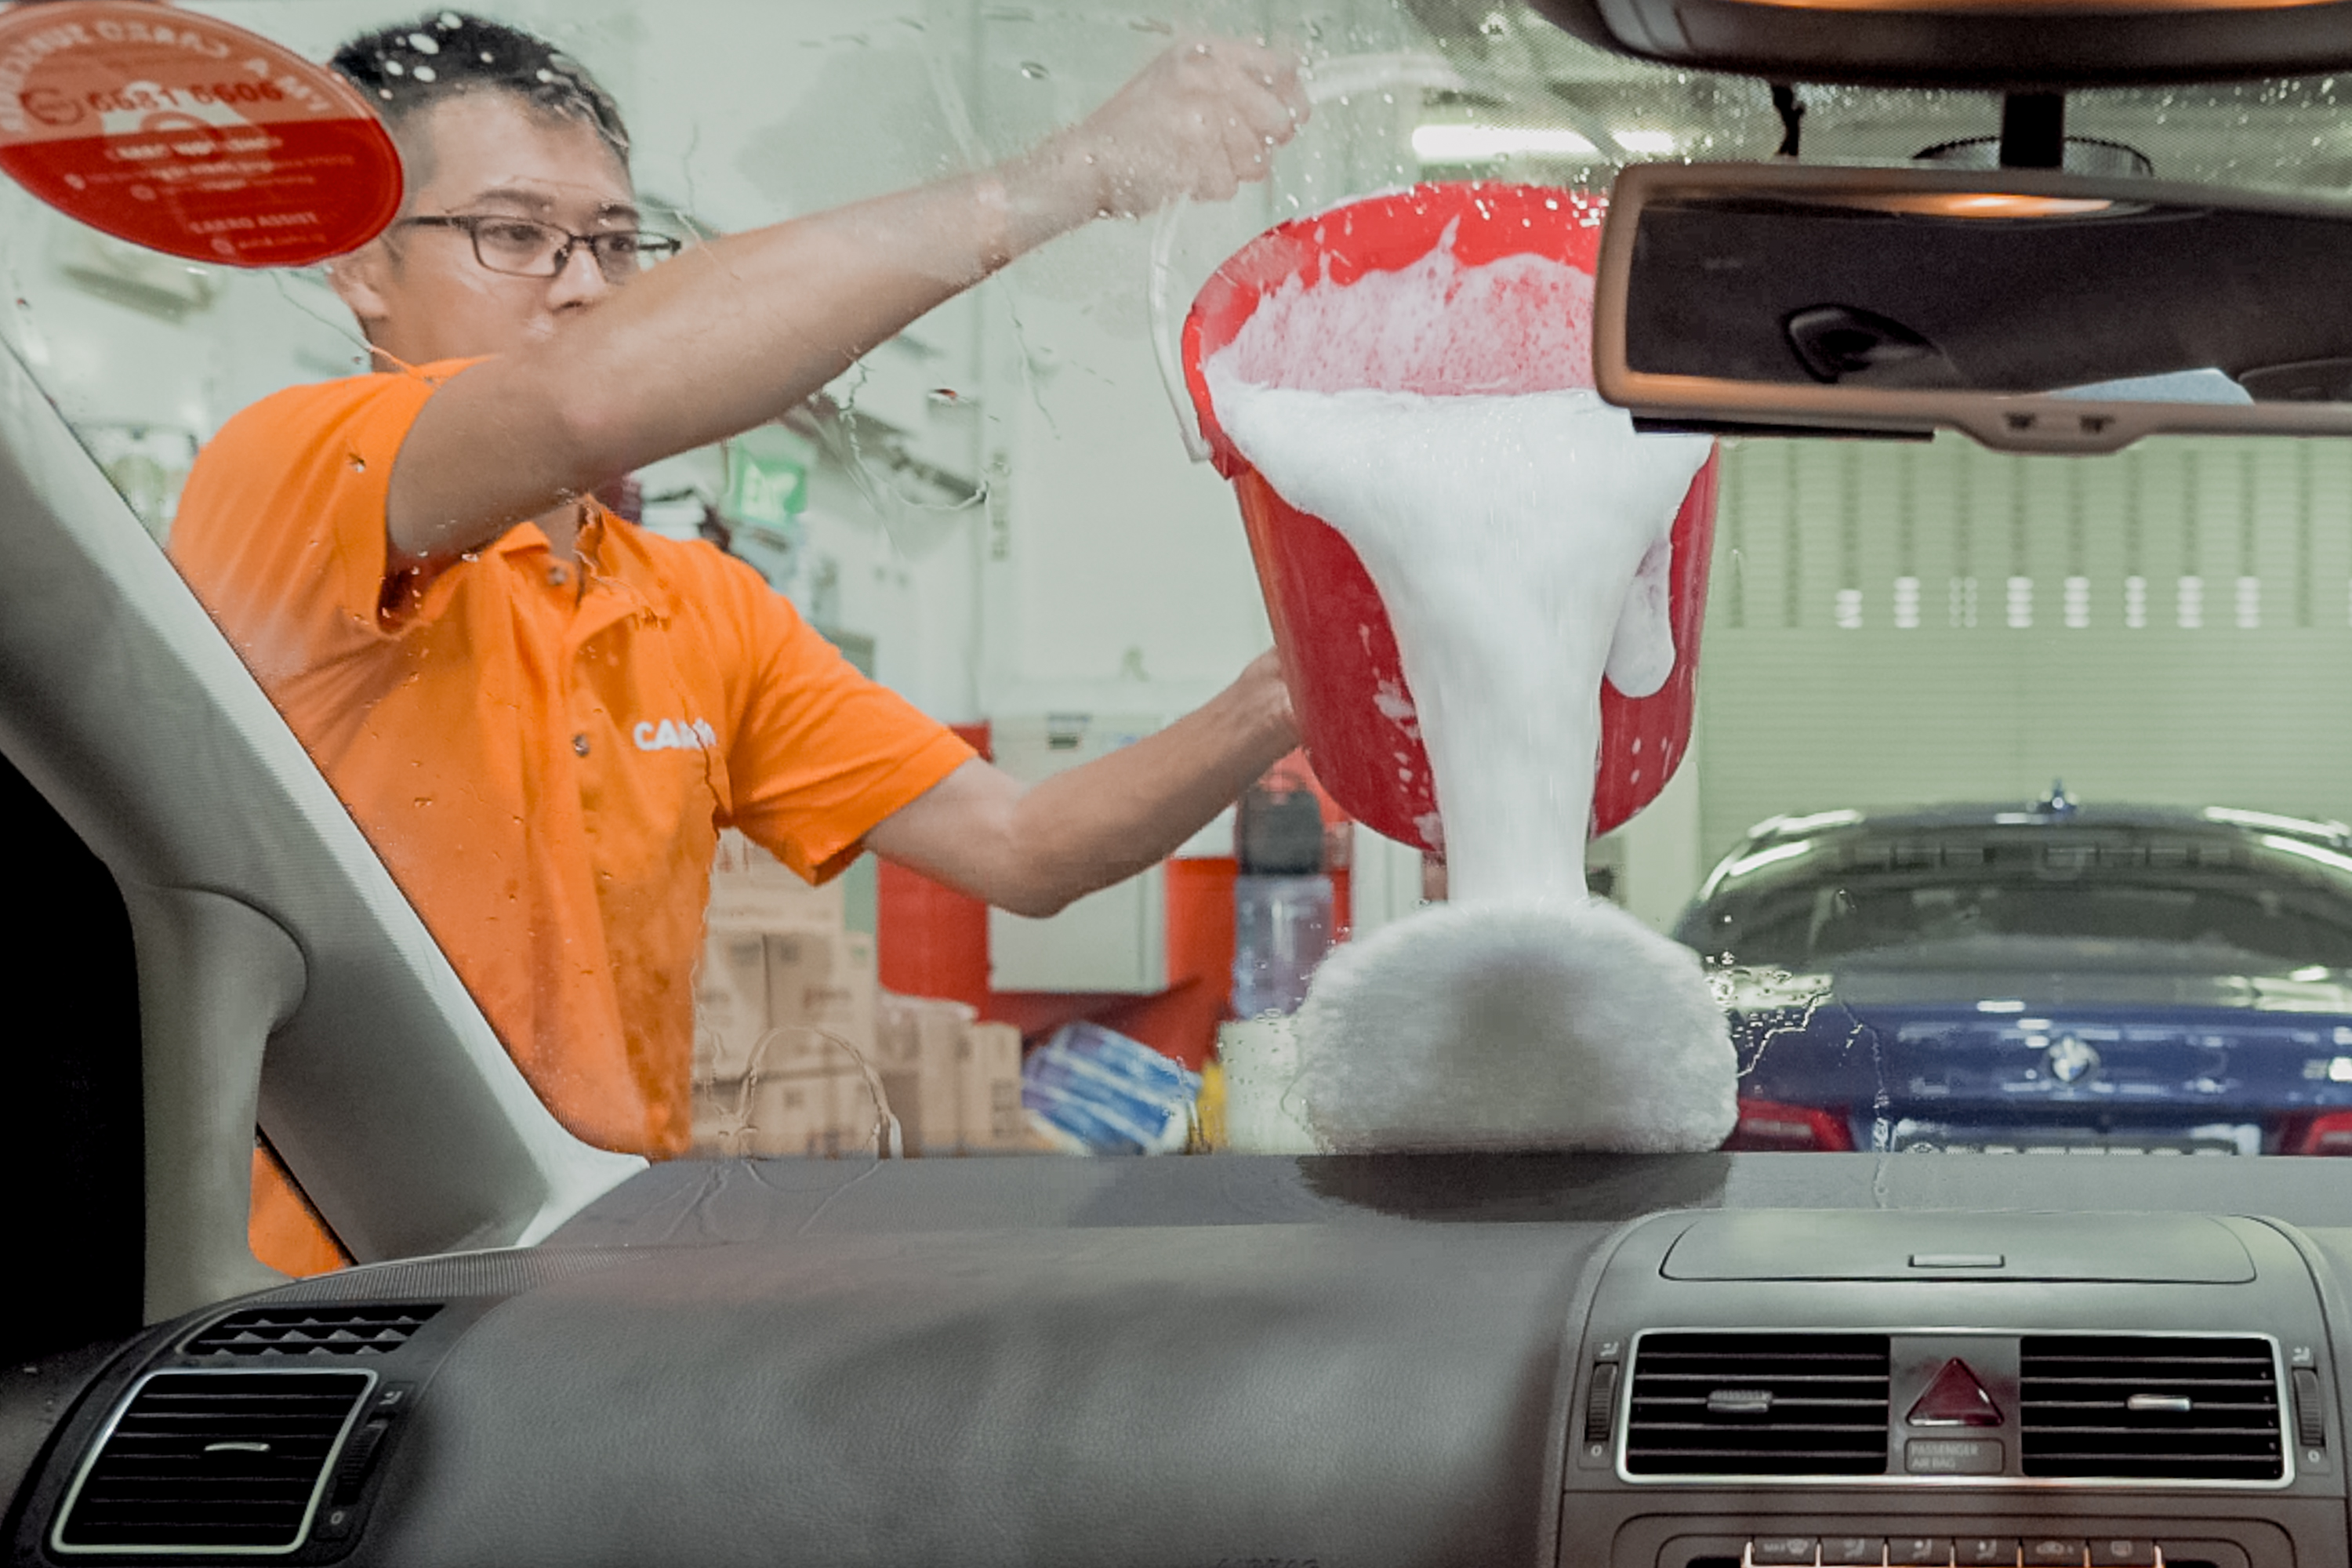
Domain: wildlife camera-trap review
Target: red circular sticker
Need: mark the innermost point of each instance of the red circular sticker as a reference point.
(190, 136)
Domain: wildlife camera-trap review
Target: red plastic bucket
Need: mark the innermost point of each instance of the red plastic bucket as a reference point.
(1338, 651)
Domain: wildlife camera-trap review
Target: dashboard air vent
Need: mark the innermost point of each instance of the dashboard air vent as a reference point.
(312, 1330)
(211, 1461)
(2149, 1407)
(1757, 1405)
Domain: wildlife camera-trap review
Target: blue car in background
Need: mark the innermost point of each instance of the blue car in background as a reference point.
(2114, 980)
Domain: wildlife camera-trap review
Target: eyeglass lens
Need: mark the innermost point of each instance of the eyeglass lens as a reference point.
(529, 249)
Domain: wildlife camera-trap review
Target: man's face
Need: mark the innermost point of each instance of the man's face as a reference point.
(421, 293)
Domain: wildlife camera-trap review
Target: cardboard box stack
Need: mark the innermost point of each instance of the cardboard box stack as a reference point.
(785, 1011)
(788, 1015)
(953, 1082)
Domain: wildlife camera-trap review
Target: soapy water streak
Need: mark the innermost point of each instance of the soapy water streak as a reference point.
(1519, 532)
(1771, 1003)
(1746, 991)
(738, 1122)
(1517, 529)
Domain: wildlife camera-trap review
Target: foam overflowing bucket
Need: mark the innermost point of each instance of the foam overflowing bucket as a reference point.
(1338, 650)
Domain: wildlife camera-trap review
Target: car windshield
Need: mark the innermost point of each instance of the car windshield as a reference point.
(920, 492)
(1973, 899)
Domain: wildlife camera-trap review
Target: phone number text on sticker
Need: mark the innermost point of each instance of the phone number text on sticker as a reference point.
(189, 135)
(151, 100)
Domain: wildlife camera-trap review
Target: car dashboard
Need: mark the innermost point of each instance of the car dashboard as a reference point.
(1639, 1363)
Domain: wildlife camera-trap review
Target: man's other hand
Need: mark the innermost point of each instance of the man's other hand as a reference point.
(1032, 848)
(1201, 121)
(1261, 685)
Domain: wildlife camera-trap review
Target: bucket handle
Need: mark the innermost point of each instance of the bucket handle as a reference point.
(1343, 76)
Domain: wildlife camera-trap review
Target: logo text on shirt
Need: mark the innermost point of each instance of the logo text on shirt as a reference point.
(675, 735)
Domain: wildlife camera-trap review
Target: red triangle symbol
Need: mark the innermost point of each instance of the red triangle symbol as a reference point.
(1955, 1399)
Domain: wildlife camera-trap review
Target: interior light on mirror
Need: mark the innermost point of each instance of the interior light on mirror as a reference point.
(1982, 204)
(2034, 310)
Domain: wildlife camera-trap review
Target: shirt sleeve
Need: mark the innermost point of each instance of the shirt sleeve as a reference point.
(822, 754)
(280, 527)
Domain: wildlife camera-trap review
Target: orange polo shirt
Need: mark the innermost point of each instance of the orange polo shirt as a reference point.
(543, 752)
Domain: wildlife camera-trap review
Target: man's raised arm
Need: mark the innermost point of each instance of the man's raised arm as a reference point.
(737, 330)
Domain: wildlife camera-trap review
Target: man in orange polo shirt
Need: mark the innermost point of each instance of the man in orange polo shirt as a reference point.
(541, 715)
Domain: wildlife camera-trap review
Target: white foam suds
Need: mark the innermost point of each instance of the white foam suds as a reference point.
(1516, 1026)
(1517, 529)
(1520, 324)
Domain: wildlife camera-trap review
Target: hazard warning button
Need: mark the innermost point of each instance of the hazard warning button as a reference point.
(1954, 1398)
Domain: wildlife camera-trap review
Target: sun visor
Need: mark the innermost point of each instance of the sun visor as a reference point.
(2011, 45)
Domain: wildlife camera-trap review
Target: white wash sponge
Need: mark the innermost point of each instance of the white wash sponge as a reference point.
(1556, 1026)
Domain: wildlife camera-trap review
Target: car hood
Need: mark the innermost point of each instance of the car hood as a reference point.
(1876, 988)
(2093, 1046)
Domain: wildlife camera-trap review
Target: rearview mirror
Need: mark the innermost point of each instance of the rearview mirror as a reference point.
(2035, 311)
(2046, 45)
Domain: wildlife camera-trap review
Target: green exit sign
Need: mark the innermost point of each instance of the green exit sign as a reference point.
(766, 490)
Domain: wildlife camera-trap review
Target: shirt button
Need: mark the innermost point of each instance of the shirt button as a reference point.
(579, 745)
(558, 576)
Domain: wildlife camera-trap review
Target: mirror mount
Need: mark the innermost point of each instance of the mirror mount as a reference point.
(2082, 155)
(2033, 131)
(1792, 111)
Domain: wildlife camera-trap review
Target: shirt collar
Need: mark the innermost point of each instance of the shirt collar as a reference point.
(524, 537)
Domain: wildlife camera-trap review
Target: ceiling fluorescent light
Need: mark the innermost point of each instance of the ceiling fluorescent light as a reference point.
(2327, 857)
(1644, 144)
(1492, 144)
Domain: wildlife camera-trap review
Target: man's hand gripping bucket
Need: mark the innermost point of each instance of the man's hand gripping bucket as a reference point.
(1338, 652)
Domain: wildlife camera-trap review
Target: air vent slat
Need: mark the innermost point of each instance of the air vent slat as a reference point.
(1792, 1380)
(212, 1461)
(2209, 1408)
(331, 1331)
(1757, 1405)
(1655, 1430)
(1741, 1460)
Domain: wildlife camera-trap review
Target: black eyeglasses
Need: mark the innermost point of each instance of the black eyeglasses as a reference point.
(525, 248)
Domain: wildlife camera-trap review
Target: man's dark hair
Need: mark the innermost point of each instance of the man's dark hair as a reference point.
(407, 68)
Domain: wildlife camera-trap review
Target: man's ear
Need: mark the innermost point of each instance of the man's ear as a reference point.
(361, 279)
